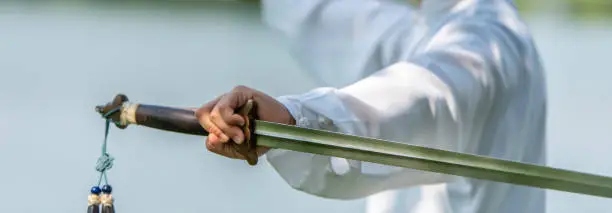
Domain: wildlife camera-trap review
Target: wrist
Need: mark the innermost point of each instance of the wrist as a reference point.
(291, 109)
(291, 119)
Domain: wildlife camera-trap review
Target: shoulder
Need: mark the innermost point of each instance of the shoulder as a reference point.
(493, 33)
(493, 27)
(496, 21)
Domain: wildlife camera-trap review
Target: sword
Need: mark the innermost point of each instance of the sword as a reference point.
(281, 136)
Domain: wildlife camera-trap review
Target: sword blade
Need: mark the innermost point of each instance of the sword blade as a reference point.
(391, 153)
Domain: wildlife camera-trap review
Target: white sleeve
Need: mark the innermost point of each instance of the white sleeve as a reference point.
(336, 33)
(336, 18)
(438, 98)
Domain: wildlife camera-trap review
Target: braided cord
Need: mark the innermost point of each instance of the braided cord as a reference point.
(105, 161)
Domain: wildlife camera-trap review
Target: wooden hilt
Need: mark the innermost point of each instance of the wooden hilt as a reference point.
(123, 113)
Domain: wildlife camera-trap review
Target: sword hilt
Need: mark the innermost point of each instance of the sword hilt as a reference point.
(123, 113)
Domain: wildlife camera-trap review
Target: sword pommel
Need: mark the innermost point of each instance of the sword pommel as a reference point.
(112, 110)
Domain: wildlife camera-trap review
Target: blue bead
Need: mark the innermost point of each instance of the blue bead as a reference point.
(107, 189)
(95, 190)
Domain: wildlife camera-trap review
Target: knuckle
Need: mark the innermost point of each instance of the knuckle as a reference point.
(199, 113)
(205, 126)
(215, 115)
(202, 112)
(222, 96)
(240, 88)
(204, 122)
(209, 146)
(236, 131)
(205, 109)
(237, 119)
(214, 130)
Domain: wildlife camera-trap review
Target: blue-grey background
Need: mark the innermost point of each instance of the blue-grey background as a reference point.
(59, 60)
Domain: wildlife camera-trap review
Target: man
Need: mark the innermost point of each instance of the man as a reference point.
(459, 75)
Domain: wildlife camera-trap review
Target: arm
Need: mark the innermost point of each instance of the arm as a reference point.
(341, 18)
(336, 33)
(438, 98)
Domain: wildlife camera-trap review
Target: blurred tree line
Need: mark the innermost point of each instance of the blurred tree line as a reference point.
(575, 8)
(591, 8)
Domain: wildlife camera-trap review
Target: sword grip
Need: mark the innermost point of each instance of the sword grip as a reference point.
(169, 119)
(180, 121)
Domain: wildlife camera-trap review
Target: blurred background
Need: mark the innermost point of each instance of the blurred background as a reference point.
(58, 59)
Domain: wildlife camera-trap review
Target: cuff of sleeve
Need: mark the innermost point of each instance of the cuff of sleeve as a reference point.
(295, 109)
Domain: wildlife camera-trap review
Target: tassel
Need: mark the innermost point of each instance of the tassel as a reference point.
(107, 199)
(93, 200)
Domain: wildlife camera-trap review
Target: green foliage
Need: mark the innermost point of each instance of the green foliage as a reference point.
(591, 9)
(576, 8)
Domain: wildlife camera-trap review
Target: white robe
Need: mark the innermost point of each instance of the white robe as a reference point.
(459, 75)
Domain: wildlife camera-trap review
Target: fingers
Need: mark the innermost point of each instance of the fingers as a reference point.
(229, 123)
(211, 142)
(223, 149)
(204, 117)
(223, 115)
(224, 118)
(218, 116)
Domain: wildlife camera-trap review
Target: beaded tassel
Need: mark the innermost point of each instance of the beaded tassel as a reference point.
(93, 200)
(101, 198)
(107, 199)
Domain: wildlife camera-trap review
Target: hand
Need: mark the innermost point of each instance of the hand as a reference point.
(219, 119)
